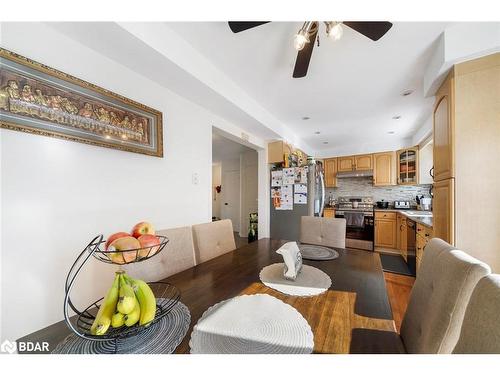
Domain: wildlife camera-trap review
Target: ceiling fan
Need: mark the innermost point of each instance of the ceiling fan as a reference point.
(305, 38)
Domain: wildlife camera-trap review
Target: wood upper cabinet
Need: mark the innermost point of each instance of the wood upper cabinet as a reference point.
(407, 165)
(443, 210)
(385, 232)
(330, 166)
(443, 146)
(384, 168)
(363, 162)
(346, 163)
(355, 163)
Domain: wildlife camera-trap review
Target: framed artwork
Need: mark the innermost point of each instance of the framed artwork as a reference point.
(40, 100)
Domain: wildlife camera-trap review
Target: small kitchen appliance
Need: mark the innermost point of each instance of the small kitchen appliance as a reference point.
(402, 205)
(425, 204)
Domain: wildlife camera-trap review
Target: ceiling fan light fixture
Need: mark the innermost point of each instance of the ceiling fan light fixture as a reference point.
(300, 40)
(334, 30)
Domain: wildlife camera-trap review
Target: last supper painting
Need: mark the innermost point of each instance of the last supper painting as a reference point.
(40, 100)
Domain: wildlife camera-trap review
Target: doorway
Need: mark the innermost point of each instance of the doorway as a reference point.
(234, 184)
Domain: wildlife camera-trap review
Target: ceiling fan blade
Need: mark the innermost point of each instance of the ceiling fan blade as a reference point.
(373, 30)
(304, 57)
(238, 26)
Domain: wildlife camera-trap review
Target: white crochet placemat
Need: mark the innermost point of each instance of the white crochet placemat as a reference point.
(252, 324)
(310, 281)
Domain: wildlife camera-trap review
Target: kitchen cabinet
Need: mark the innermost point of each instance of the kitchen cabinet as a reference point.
(329, 212)
(424, 234)
(330, 167)
(443, 207)
(407, 164)
(385, 230)
(402, 236)
(279, 152)
(355, 163)
(384, 168)
(443, 116)
(363, 162)
(346, 163)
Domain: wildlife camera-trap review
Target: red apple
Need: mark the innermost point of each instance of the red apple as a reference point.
(142, 228)
(114, 237)
(124, 244)
(148, 240)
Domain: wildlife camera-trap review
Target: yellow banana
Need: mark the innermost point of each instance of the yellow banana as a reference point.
(102, 320)
(117, 320)
(146, 298)
(134, 316)
(126, 299)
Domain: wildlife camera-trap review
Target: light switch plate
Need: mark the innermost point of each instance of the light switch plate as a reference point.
(195, 179)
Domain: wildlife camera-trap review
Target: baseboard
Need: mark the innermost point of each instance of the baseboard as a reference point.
(384, 250)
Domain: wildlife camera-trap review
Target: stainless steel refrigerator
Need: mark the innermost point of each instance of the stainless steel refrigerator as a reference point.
(285, 224)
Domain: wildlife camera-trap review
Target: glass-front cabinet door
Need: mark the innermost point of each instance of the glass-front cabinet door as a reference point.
(408, 166)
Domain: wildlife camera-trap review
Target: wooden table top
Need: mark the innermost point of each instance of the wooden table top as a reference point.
(353, 316)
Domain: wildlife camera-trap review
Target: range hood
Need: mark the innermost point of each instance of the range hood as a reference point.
(367, 173)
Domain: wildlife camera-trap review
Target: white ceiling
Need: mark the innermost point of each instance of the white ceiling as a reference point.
(353, 86)
(226, 149)
(352, 90)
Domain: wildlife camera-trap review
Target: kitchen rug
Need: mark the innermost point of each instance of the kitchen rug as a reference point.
(315, 252)
(310, 281)
(395, 264)
(252, 324)
(160, 338)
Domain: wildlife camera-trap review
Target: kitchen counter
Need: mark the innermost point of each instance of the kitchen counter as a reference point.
(425, 219)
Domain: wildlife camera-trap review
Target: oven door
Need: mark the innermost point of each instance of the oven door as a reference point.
(360, 238)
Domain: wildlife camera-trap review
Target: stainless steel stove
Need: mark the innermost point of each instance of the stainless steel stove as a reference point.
(357, 204)
(359, 214)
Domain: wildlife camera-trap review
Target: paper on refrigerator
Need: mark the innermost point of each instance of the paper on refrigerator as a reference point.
(288, 176)
(300, 194)
(276, 178)
(286, 197)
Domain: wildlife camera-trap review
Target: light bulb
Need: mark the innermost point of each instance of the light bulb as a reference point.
(300, 41)
(335, 30)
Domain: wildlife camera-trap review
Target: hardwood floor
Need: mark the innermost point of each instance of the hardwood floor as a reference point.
(398, 290)
(240, 241)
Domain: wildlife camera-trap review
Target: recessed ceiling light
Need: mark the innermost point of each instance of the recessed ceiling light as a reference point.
(397, 117)
(407, 92)
(317, 132)
(325, 143)
(391, 132)
(305, 118)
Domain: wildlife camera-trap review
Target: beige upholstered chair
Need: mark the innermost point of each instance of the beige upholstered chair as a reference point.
(439, 298)
(323, 231)
(213, 239)
(481, 329)
(177, 256)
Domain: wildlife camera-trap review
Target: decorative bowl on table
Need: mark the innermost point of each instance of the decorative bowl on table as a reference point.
(121, 257)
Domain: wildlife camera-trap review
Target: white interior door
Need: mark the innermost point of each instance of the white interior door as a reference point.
(230, 198)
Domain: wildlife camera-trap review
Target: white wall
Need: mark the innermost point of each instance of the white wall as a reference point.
(249, 188)
(56, 195)
(231, 191)
(216, 181)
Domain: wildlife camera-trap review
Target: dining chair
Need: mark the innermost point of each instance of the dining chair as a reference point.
(442, 289)
(323, 231)
(177, 256)
(213, 239)
(481, 330)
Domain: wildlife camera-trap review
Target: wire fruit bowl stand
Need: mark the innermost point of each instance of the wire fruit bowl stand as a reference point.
(167, 295)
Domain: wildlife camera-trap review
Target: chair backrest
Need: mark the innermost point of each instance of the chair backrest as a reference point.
(177, 256)
(444, 284)
(481, 330)
(323, 231)
(213, 239)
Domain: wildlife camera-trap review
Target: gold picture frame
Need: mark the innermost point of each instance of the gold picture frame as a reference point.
(37, 99)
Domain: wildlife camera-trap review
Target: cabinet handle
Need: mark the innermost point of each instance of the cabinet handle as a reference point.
(427, 235)
(419, 230)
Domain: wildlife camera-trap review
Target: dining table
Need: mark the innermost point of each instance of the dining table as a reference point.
(353, 316)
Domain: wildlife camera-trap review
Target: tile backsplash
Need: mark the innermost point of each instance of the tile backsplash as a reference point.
(363, 186)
